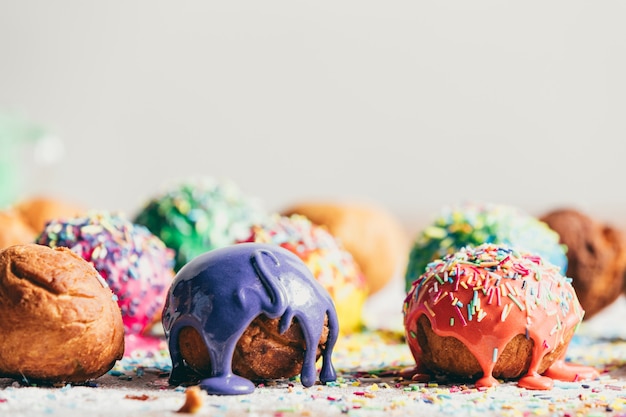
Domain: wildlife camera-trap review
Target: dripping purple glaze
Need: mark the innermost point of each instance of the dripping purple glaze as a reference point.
(221, 292)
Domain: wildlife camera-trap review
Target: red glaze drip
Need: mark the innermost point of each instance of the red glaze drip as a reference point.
(570, 372)
(535, 381)
(485, 296)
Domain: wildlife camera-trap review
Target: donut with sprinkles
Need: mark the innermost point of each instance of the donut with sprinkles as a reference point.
(136, 265)
(490, 312)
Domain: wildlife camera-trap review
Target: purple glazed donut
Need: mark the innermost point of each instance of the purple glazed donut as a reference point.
(222, 291)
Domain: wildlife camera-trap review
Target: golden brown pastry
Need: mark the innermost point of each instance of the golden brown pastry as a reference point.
(60, 322)
(37, 211)
(13, 229)
(596, 255)
(261, 353)
(376, 240)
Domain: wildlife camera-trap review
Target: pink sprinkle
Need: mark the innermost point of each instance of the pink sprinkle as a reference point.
(458, 312)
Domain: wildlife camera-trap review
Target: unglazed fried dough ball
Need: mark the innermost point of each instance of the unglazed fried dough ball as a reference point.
(14, 230)
(37, 211)
(60, 321)
(375, 238)
(596, 256)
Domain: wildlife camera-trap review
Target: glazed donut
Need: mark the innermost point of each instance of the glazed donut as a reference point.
(197, 215)
(246, 312)
(474, 223)
(489, 312)
(331, 264)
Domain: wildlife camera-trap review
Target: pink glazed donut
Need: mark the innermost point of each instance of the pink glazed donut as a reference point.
(136, 265)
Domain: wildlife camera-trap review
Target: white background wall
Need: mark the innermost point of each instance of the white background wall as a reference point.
(409, 104)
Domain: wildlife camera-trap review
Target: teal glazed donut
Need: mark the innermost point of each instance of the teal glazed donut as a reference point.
(198, 215)
(472, 224)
